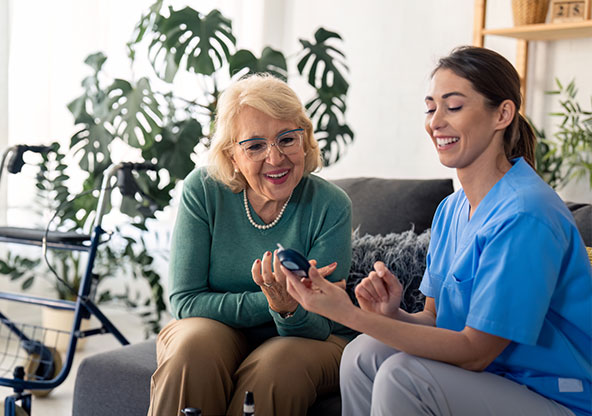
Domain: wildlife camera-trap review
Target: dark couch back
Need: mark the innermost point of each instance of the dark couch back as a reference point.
(583, 215)
(383, 206)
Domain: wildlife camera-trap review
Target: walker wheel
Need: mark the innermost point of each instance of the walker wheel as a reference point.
(34, 371)
(18, 411)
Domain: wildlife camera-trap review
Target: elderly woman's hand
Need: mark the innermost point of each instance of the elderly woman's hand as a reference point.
(273, 281)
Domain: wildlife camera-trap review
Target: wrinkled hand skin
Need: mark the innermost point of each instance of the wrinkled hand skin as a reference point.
(267, 271)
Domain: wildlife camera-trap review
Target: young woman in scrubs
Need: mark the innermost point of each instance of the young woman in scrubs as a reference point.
(507, 323)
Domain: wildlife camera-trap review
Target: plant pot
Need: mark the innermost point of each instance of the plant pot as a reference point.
(528, 12)
(58, 325)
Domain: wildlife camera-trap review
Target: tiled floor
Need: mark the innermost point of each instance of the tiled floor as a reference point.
(59, 402)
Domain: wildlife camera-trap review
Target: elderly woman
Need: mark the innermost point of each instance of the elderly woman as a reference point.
(237, 329)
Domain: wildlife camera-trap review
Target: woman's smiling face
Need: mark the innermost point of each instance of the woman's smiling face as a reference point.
(274, 178)
(461, 124)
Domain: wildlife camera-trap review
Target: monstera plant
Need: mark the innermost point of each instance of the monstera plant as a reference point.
(170, 130)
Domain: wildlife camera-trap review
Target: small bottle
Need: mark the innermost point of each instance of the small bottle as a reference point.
(249, 405)
(191, 411)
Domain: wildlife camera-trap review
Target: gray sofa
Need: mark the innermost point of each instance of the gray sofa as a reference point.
(118, 382)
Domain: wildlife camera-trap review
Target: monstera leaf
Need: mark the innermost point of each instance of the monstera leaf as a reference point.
(204, 43)
(135, 112)
(91, 144)
(145, 25)
(271, 61)
(324, 59)
(174, 150)
(91, 141)
(326, 110)
(333, 138)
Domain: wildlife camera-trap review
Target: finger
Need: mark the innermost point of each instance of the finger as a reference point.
(393, 285)
(381, 268)
(379, 286)
(368, 286)
(294, 286)
(313, 262)
(361, 292)
(256, 272)
(340, 284)
(365, 301)
(328, 269)
(268, 277)
(316, 278)
(277, 269)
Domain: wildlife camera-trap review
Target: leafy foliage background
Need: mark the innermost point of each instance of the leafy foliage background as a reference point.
(168, 130)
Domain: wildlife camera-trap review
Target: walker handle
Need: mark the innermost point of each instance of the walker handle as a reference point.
(16, 162)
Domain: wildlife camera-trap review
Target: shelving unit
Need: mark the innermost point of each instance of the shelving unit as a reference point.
(545, 31)
(526, 33)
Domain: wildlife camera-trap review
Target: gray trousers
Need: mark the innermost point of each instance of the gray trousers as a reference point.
(379, 380)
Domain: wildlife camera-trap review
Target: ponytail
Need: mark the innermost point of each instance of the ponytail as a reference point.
(520, 140)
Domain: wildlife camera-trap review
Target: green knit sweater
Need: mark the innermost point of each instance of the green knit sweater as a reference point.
(214, 246)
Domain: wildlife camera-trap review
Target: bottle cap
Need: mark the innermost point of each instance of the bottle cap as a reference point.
(249, 405)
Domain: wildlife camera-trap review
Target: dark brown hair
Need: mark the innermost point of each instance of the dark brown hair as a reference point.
(496, 79)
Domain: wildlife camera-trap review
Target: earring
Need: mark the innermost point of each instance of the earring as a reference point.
(235, 170)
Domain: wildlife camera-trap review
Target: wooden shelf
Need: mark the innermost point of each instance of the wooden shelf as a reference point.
(527, 33)
(549, 31)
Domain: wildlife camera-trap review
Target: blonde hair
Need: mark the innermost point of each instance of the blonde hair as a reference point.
(271, 96)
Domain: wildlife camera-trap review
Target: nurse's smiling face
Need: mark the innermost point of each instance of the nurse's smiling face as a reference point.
(462, 126)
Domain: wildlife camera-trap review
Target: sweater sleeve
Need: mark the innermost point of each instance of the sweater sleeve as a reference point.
(332, 242)
(190, 293)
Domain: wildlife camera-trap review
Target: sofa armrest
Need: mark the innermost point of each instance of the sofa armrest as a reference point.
(115, 382)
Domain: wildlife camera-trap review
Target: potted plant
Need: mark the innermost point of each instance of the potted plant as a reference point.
(567, 155)
(167, 130)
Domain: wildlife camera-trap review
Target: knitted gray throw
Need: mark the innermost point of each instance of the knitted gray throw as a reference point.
(403, 253)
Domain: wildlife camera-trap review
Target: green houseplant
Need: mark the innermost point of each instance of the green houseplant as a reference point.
(167, 130)
(567, 155)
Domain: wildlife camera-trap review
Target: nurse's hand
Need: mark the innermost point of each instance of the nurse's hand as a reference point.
(380, 292)
(318, 295)
(269, 276)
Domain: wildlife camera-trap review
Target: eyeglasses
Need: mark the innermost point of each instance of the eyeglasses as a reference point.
(258, 148)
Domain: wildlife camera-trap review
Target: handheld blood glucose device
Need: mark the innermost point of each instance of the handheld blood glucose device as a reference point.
(293, 261)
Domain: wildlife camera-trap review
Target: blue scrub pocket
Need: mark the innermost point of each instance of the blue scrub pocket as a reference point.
(456, 295)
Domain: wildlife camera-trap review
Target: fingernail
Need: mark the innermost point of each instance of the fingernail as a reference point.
(257, 261)
(268, 253)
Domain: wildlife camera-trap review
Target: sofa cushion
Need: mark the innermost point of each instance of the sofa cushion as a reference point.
(383, 206)
(403, 253)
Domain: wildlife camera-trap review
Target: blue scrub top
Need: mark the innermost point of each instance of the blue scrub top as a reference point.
(518, 269)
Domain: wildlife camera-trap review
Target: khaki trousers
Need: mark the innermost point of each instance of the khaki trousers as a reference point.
(206, 364)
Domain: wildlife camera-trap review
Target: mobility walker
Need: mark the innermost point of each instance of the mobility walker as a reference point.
(29, 361)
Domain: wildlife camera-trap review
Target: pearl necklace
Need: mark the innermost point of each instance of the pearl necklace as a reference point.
(266, 226)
